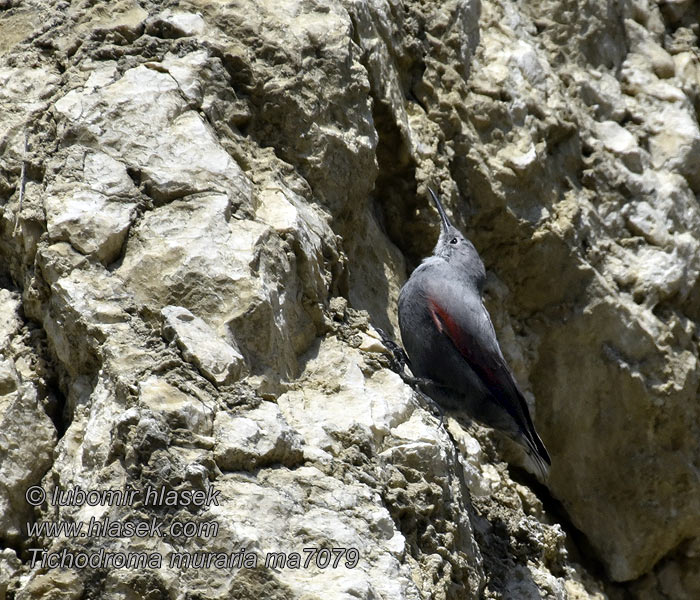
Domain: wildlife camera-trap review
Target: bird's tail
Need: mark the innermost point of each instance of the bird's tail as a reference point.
(537, 453)
(539, 464)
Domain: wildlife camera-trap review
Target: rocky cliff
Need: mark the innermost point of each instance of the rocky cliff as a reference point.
(207, 207)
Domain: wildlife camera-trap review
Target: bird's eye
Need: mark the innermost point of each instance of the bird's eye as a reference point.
(453, 241)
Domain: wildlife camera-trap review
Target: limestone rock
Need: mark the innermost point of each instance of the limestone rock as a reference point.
(218, 360)
(231, 270)
(342, 414)
(34, 86)
(372, 405)
(94, 213)
(258, 437)
(27, 434)
(179, 409)
(171, 146)
(303, 504)
(620, 141)
(173, 23)
(9, 568)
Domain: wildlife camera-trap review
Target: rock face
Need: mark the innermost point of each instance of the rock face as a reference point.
(206, 209)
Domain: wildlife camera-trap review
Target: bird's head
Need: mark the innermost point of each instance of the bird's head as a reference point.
(456, 249)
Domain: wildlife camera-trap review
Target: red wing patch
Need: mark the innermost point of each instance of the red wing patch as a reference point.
(443, 320)
(463, 341)
(493, 373)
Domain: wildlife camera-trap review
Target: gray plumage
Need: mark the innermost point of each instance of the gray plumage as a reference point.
(452, 346)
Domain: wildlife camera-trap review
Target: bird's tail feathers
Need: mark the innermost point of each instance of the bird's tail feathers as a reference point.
(532, 442)
(539, 464)
(539, 458)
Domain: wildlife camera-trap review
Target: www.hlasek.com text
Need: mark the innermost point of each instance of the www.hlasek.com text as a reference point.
(122, 528)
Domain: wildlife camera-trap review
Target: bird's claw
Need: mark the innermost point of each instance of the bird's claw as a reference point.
(399, 358)
(419, 385)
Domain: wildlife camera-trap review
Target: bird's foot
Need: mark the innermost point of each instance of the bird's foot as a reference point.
(421, 385)
(417, 383)
(431, 406)
(399, 358)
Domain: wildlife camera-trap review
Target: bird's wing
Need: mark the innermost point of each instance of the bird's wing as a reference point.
(469, 327)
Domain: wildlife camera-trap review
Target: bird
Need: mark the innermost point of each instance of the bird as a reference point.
(451, 343)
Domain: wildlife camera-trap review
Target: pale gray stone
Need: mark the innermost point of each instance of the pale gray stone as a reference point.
(90, 203)
(257, 437)
(27, 435)
(219, 361)
(179, 409)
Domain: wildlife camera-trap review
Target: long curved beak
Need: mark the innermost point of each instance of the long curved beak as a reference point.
(443, 215)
